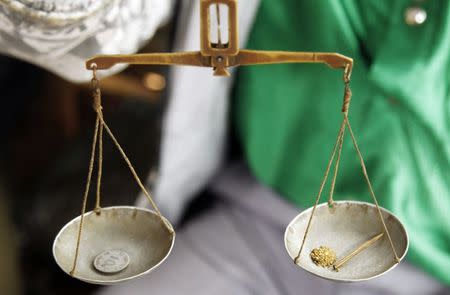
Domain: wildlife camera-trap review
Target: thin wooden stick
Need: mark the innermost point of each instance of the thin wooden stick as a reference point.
(360, 248)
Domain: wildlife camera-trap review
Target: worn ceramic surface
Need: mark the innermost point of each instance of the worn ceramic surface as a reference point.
(343, 229)
(138, 232)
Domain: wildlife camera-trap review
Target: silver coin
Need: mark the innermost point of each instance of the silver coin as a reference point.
(111, 261)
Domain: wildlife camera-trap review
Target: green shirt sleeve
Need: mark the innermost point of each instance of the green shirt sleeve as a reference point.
(287, 116)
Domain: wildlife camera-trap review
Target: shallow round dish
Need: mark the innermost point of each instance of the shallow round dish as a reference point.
(138, 232)
(343, 228)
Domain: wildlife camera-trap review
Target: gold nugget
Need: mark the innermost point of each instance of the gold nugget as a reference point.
(323, 256)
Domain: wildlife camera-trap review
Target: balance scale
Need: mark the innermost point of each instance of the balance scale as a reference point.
(109, 245)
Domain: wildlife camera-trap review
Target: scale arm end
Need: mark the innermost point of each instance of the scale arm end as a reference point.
(190, 58)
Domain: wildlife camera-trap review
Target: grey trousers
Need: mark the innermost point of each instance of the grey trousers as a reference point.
(237, 248)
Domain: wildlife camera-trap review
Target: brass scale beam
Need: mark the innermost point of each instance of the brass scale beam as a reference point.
(220, 56)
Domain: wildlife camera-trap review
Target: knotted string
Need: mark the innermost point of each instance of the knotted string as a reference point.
(98, 108)
(85, 196)
(322, 185)
(369, 185)
(100, 124)
(338, 148)
(345, 107)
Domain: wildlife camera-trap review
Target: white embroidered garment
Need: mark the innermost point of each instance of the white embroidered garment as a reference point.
(59, 35)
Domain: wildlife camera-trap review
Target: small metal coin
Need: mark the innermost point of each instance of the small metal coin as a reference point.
(111, 261)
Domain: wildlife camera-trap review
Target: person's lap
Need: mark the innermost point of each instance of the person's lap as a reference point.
(218, 253)
(235, 248)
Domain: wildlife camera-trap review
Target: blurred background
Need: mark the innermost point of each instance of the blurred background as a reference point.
(46, 128)
(47, 122)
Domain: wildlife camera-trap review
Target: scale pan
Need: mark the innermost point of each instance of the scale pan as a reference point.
(135, 236)
(343, 228)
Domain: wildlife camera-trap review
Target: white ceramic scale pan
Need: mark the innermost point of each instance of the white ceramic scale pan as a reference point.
(113, 244)
(344, 228)
(117, 245)
(347, 241)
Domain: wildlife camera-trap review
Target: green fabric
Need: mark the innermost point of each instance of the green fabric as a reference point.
(287, 116)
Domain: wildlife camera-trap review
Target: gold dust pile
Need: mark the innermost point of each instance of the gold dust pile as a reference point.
(323, 256)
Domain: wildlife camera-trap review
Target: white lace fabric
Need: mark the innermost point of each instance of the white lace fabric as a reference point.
(59, 35)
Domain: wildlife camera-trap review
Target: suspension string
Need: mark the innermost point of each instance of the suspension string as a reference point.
(347, 90)
(337, 145)
(98, 208)
(85, 196)
(103, 125)
(100, 124)
(136, 177)
(98, 109)
(336, 168)
(327, 171)
(366, 176)
(345, 107)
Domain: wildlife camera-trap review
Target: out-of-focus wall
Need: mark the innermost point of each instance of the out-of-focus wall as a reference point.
(9, 272)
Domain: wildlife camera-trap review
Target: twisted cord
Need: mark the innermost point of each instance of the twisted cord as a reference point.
(100, 124)
(324, 180)
(369, 185)
(85, 196)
